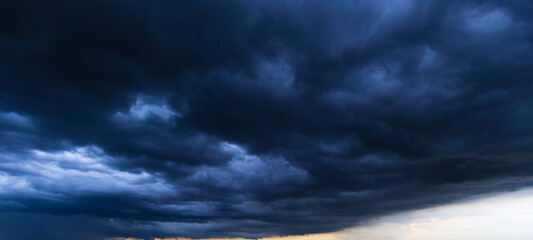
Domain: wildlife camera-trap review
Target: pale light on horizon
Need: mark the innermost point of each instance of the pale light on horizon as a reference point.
(501, 216)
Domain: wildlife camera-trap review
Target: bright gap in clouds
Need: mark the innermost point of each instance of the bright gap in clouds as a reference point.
(502, 216)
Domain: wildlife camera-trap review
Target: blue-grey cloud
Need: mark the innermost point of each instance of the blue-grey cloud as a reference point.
(248, 119)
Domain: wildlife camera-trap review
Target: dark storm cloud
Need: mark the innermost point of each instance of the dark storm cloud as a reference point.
(251, 118)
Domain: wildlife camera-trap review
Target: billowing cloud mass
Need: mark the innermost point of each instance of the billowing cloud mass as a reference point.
(250, 119)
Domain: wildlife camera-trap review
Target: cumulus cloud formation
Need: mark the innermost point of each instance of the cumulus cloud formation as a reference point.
(142, 110)
(252, 119)
(53, 174)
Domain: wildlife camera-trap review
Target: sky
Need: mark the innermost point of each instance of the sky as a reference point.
(254, 119)
(489, 216)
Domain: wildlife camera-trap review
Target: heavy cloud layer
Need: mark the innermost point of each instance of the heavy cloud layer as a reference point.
(256, 118)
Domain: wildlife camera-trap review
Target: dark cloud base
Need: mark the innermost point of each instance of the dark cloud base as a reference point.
(250, 118)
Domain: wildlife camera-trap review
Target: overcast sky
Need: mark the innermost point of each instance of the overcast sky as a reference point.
(248, 118)
(489, 216)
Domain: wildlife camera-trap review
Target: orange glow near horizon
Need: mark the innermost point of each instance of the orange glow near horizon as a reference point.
(325, 236)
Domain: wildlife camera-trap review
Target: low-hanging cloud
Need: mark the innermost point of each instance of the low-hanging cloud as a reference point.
(252, 119)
